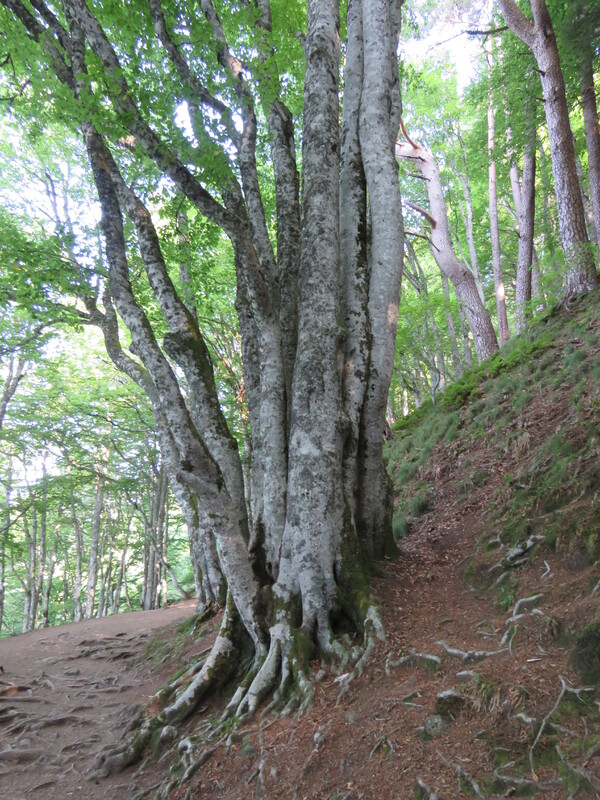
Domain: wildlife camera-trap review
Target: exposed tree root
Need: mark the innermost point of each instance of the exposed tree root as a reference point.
(565, 689)
(426, 791)
(282, 672)
(373, 627)
(516, 782)
(584, 778)
(524, 602)
(414, 658)
(464, 778)
(216, 669)
(471, 656)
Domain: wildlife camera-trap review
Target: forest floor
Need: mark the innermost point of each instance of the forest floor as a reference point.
(474, 692)
(66, 692)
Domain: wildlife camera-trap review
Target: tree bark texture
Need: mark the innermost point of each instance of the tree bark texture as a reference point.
(592, 132)
(499, 288)
(318, 329)
(524, 201)
(484, 337)
(379, 119)
(539, 35)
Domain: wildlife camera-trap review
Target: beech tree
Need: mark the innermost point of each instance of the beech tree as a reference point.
(317, 308)
(462, 278)
(539, 36)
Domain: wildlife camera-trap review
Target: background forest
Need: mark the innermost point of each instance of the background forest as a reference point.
(89, 525)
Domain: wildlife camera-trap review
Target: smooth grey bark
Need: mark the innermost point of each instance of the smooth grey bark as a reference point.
(467, 215)
(92, 577)
(457, 364)
(379, 118)
(462, 279)
(499, 288)
(592, 132)
(434, 357)
(47, 586)
(539, 36)
(4, 536)
(526, 215)
(524, 202)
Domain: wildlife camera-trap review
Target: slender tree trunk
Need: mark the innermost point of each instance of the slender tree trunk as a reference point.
(78, 587)
(586, 199)
(503, 332)
(592, 134)
(468, 220)
(4, 529)
(47, 589)
(550, 222)
(465, 337)
(116, 599)
(90, 589)
(30, 529)
(442, 250)
(456, 359)
(539, 35)
(537, 291)
(524, 200)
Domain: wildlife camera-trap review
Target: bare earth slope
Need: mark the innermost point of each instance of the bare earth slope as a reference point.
(64, 693)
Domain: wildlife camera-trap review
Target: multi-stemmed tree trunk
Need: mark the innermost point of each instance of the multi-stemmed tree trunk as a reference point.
(318, 329)
(484, 337)
(539, 36)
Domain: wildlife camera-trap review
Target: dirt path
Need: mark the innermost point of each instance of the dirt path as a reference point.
(74, 688)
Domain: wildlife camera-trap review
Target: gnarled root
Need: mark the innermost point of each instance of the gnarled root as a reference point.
(218, 667)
